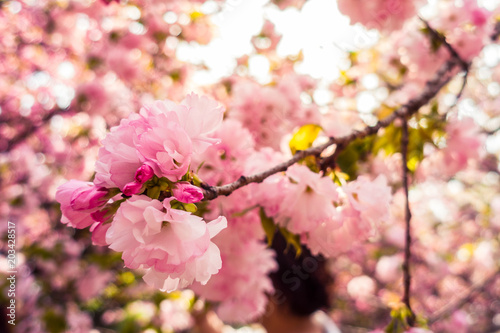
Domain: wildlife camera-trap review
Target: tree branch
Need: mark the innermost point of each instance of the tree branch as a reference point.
(463, 299)
(30, 129)
(453, 53)
(443, 76)
(432, 87)
(407, 253)
(496, 32)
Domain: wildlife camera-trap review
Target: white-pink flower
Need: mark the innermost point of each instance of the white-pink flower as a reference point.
(118, 159)
(167, 146)
(202, 117)
(99, 230)
(197, 115)
(173, 245)
(163, 137)
(462, 144)
(371, 200)
(308, 201)
(383, 15)
(388, 268)
(240, 291)
(329, 238)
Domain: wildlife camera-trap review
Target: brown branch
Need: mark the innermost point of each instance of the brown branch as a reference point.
(453, 53)
(432, 87)
(443, 76)
(434, 34)
(496, 32)
(329, 161)
(491, 132)
(30, 129)
(212, 192)
(407, 252)
(463, 299)
(460, 92)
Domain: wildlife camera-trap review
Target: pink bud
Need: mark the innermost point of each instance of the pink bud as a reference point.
(143, 174)
(70, 216)
(100, 215)
(132, 188)
(187, 193)
(88, 197)
(98, 230)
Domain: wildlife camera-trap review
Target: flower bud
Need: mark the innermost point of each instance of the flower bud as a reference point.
(143, 174)
(132, 188)
(88, 197)
(187, 193)
(74, 218)
(100, 215)
(99, 230)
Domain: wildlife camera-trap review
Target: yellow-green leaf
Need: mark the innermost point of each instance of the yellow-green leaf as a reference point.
(304, 137)
(190, 207)
(268, 226)
(292, 239)
(154, 192)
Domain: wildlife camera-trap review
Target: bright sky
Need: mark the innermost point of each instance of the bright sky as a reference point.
(319, 30)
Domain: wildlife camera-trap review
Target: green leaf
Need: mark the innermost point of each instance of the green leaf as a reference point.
(399, 322)
(355, 152)
(268, 226)
(54, 322)
(174, 204)
(304, 137)
(244, 211)
(164, 185)
(190, 207)
(200, 166)
(390, 142)
(292, 239)
(154, 192)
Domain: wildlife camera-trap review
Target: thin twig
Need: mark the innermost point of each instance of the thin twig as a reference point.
(407, 253)
(496, 32)
(463, 299)
(457, 96)
(31, 128)
(453, 53)
(432, 87)
(329, 161)
(443, 76)
(491, 132)
(434, 34)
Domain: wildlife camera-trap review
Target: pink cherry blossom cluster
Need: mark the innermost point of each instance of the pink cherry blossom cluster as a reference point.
(383, 15)
(463, 145)
(140, 201)
(327, 217)
(366, 205)
(70, 68)
(270, 112)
